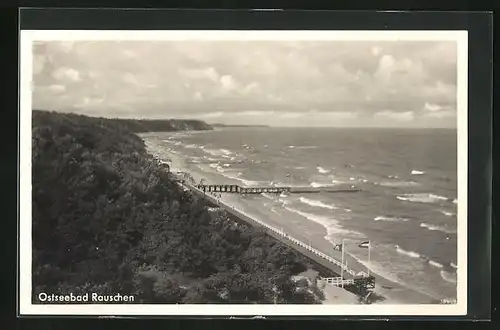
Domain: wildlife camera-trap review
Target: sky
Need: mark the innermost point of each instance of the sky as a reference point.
(277, 83)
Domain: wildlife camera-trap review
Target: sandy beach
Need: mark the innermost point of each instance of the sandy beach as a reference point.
(295, 225)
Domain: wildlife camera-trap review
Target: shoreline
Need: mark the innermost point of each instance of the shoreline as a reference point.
(298, 227)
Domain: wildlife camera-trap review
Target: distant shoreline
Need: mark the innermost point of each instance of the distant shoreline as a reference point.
(237, 125)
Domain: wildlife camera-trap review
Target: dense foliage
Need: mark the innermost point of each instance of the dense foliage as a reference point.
(109, 218)
(130, 125)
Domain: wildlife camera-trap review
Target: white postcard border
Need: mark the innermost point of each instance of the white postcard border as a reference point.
(27, 37)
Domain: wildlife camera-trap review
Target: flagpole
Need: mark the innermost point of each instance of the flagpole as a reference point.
(369, 256)
(342, 268)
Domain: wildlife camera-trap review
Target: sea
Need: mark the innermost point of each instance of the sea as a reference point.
(407, 206)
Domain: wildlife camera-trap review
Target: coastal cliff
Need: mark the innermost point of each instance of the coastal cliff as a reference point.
(131, 125)
(108, 218)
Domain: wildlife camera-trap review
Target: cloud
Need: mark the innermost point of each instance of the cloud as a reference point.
(198, 96)
(206, 73)
(437, 111)
(57, 88)
(213, 114)
(65, 46)
(38, 64)
(395, 116)
(67, 74)
(129, 53)
(228, 82)
(441, 114)
(376, 51)
(88, 101)
(291, 115)
(252, 87)
(432, 107)
(345, 81)
(130, 78)
(255, 113)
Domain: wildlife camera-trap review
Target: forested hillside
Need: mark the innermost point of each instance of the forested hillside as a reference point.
(131, 125)
(107, 218)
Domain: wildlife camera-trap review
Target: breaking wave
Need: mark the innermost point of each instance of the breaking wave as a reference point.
(448, 214)
(195, 160)
(437, 228)
(219, 152)
(378, 268)
(209, 159)
(322, 170)
(422, 198)
(415, 172)
(318, 185)
(302, 147)
(175, 143)
(448, 277)
(407, 253)
(273, 198)
(231, 175)
(453, 265)
(217, 167)
(324, 221)
(331, 225)
(249, 183)
(391, 219)
(398, 184)
(269, 196)
(313, 202)
(435, 264)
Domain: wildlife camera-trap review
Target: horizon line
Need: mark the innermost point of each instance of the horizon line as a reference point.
(249, 125)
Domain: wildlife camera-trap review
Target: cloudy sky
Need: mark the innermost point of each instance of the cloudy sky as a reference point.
(302, 83)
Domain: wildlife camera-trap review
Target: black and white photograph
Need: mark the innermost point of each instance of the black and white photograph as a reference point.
(278, 172)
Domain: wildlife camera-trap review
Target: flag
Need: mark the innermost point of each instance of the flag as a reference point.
(365, 244)
(338, 247)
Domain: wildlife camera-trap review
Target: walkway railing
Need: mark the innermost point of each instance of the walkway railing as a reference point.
(338, 281)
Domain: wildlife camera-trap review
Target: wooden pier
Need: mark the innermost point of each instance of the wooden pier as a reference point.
(236, 189)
